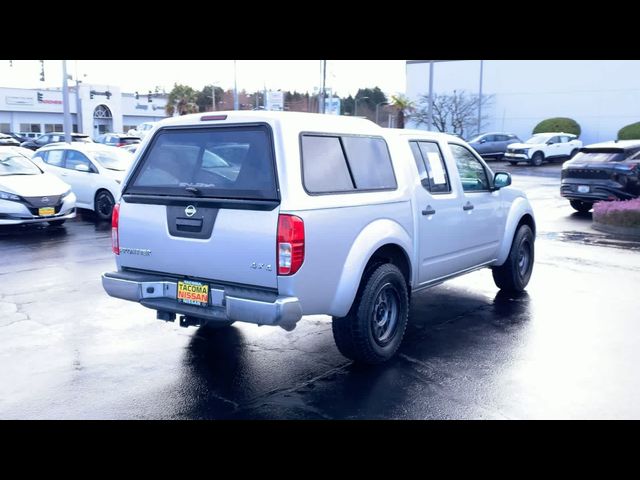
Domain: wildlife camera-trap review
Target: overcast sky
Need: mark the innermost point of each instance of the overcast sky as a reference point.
(344, 76)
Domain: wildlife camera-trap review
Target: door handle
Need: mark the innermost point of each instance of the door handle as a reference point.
(468, 206)
(429, 210)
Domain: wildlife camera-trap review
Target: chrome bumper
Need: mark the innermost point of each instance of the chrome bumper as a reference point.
(160, 294)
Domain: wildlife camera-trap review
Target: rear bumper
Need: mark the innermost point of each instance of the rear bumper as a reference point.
(596, 192)
(159, 293)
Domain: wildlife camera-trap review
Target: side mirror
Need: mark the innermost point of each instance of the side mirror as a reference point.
(483, 140)
(501, 180)
(81, 167)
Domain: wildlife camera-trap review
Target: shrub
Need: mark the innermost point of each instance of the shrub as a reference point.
(630, 132)
(558, 124)
(619, 213)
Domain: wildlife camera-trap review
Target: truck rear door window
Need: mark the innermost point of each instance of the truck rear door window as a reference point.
(221, 162)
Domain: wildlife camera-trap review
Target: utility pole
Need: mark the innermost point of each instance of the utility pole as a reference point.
(324, 79)
(213, 96)
(65, 103)
(480, 98)
(78, 109)
(430, 111)
(235, 87)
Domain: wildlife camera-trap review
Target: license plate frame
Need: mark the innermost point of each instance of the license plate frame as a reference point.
(46, 211)
(193, 293)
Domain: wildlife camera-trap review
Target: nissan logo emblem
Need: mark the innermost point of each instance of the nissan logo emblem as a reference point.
(45, 199)
(190, 211)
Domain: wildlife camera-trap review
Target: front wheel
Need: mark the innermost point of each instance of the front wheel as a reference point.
(373, 329)
(580, 206)
(537, 159)
(104, 205)
(515, 273)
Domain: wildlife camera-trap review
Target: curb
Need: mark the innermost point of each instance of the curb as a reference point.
(615, 230)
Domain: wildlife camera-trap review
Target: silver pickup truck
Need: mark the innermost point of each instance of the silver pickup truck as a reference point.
(264, 217)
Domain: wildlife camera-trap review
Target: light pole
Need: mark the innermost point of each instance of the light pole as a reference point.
(65, 103)
(480, 97)
(356, 100)
(235, 87)
(377, 106)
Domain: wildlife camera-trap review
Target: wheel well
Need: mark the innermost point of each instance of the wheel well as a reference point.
(540, 152)
(394, 254)
(527, 220)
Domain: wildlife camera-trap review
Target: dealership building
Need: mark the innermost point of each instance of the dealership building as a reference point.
(95, 109)
(601, 95)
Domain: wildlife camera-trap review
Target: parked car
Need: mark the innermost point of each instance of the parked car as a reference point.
(16, 136)
(142, 130)
(93, 170)
(493, 145)
(8, 140)
(48, 138)
(602, 171)
(323, 215)
(117, 139)
(131, 148)
(543, 147)
(21, 150)
(30, 195)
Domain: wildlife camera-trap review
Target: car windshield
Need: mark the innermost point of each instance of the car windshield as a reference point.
(13, 163)
(538, 139)
(118, 160)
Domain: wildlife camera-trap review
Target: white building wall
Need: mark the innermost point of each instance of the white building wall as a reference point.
(602, 95)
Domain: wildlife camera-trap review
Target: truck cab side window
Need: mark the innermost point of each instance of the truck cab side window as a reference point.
(472, 173)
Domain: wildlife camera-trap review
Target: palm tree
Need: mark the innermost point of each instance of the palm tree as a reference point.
(182, 99)
(403, 105)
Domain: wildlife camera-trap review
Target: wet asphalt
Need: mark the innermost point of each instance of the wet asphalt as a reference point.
(567, 348)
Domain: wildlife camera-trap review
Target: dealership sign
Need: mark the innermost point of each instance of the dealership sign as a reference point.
(18, 100)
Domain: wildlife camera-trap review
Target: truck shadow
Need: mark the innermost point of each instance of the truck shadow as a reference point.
(453, 333)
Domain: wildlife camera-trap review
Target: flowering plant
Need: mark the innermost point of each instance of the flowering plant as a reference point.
(620, 213)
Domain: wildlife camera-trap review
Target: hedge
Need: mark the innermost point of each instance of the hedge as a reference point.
(630, 132)
(558, 124)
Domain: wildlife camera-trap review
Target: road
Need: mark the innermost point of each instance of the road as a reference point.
(567, 348)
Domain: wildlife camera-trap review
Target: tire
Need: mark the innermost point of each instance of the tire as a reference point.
(537, 159)
(373, 329)
(573, 153)
(103, 205)
(513, 164)
(498, 158)
(580, 206)
(56, 223)
(515, 273)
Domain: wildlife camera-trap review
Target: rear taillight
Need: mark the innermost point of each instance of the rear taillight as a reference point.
(115, 220)
(290, 244)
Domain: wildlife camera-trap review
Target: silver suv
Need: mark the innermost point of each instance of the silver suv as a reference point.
(264, 217)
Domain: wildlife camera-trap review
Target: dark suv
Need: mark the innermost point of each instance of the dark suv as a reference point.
(493, 145)
(48, 138)
(602, 171)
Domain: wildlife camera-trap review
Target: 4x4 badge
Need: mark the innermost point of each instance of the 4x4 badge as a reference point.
(190, 211)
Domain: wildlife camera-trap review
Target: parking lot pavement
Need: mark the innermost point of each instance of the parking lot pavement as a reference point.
(567, 348)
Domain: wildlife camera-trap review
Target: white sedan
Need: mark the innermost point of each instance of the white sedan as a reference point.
(93, 170)
(29, 195)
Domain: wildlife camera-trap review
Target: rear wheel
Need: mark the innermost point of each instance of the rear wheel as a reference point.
(56, 223)
(537, 159)
(104, 205)
(515, 273)
(373, 329)
(580, 206)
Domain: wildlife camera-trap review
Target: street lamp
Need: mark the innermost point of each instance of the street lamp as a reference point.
(355, 110)
(377, 106)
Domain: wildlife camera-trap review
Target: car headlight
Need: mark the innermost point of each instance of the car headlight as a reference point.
(9, 196)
